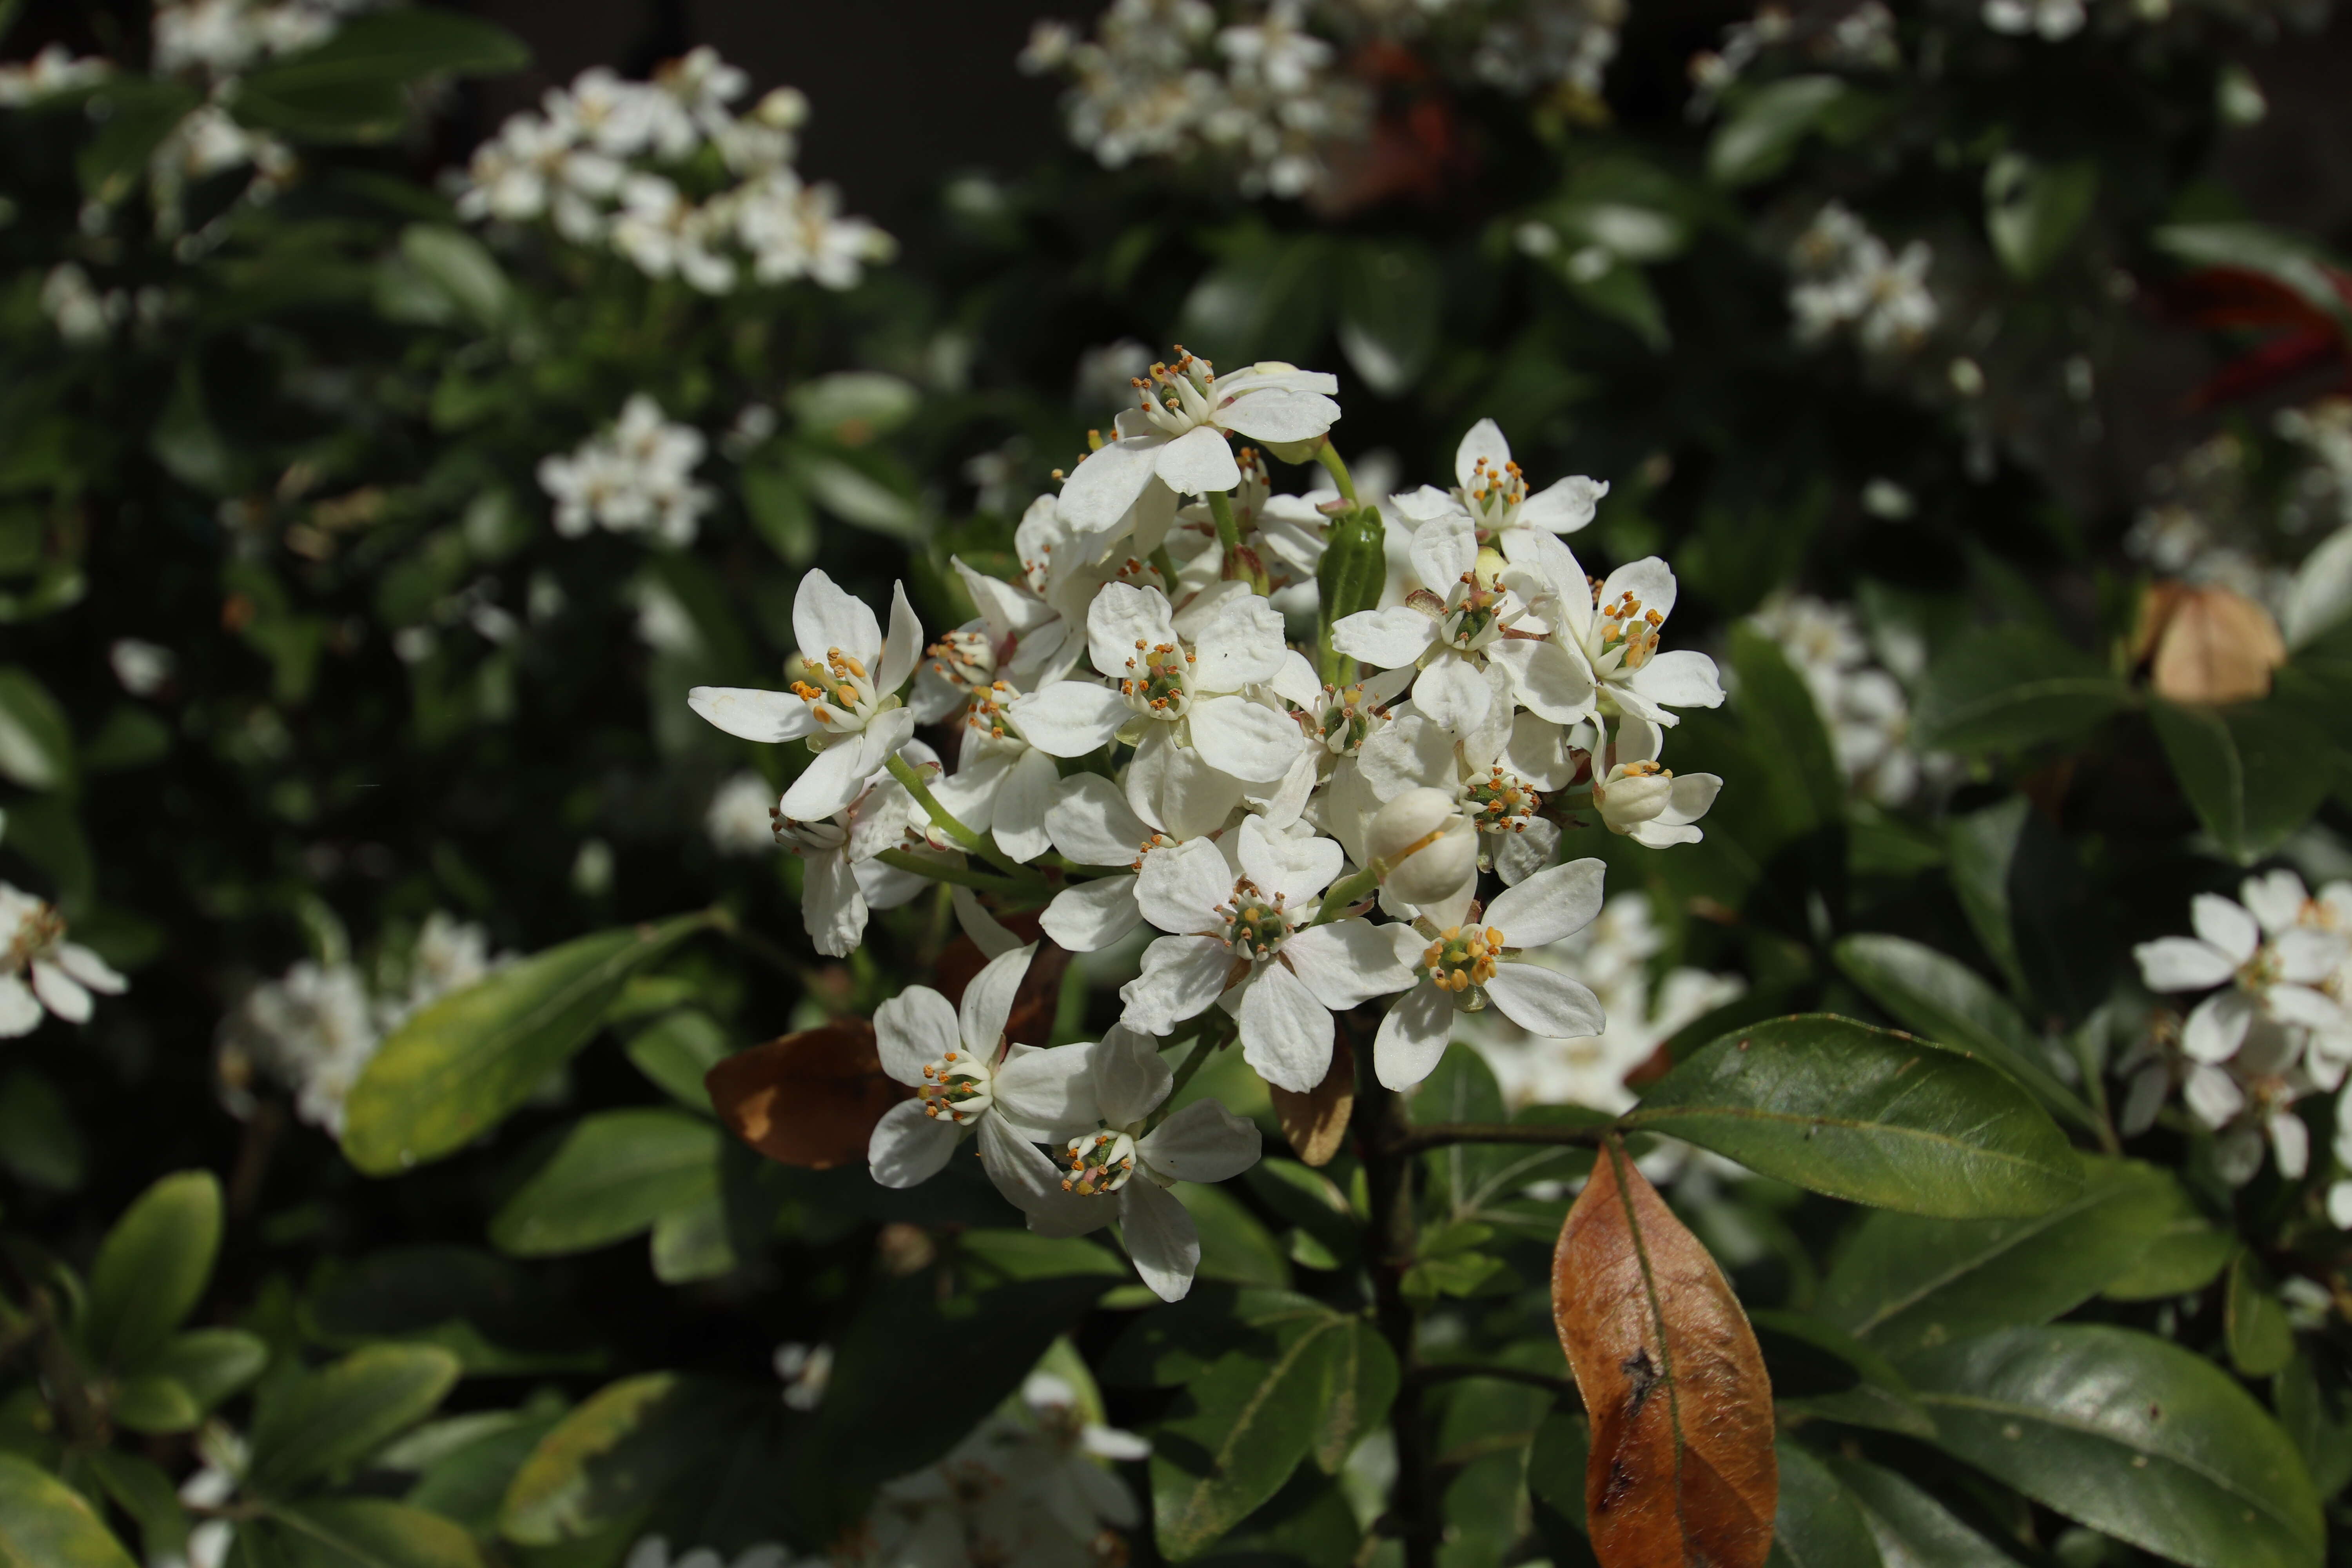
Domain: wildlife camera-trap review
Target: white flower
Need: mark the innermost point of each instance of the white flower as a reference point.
(2272, 966)
(1490, 489)
(1466, 967)
(1644, 801)
(1178, 435)
(843, 882)
(806, 1370)
(1201, 1143)
(2052, 19)
(314, 1030)
(1172, 691)
(740, 819)
(1496, 775)
(633, 477)
(1429, 847)
(1461, 624)
(847, 707)
(1848, 277)
(40, 969)
(1012, 1096)
(1617, 630)
(1070, 1483)
(1249, 944)
(1002, 784)
(652, 1552)
(1091, 823)
(145, 669)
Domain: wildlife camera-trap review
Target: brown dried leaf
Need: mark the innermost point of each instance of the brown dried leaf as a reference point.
(2216, 647)
(810, 1098)
(1316, 1122)
(1681, 1470)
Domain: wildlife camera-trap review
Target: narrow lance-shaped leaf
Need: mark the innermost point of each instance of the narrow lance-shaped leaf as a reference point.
(1682, 1468)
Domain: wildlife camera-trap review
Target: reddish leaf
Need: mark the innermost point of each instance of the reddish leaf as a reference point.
(1681, 1469)
(810, 1098)
(1316, 1122)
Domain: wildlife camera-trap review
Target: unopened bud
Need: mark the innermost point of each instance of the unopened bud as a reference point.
(1632, 796)
(1428, 850)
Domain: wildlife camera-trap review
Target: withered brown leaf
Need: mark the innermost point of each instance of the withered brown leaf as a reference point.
(1681, 1470)
(2212, 644)
(810, 1098)
(1316, 1122)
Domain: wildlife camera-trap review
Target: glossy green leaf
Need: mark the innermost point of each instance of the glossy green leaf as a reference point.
(1364, 1380)
(2033, 909)
(154, 1405)
(1270, 298)
(1758, 138)
(2130, 1434)
(349, 86)
(467, 1482)
(1867, 1115)
(614, 1174)
(2186, 1252)
(140, 111)
(693, 1243)
(461, 1065)
(2255, 772)
(1904, 1282)
(44, 1524)
(2314, 1399)
(36, 748)
(1391, 294)
(1818, 1369)
(1912, 1529)
(209, 1363)
(615, 1454)
(1943, 999)
(152, 1266)
(371, 1532)
(2254, 1321)
(1234, 1246)
(1819, 1525)
(2033, 210)
(1805, 777)
(1556, 1464)
(461, 270)
(140, 1487)
(2006, 687)
(336, 1416)
(676, 1051)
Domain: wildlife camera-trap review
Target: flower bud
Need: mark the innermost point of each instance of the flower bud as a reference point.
(1427, 848)
(1632, 795)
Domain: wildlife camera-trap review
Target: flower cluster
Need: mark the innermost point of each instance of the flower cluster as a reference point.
(1861, 706)
(1849, 281)
(667, 175)
(316, 1027)
(635, 477)
(2276, 968)
(40, 970)
(1301, 830)
(1288, 97)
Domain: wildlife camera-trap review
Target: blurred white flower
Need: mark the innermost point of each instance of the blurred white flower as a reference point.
(635, 477)
(40, 969)
(741, 818)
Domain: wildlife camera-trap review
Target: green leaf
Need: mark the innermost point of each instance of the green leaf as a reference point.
(154, 1405)
(853, 406)
(2130, 1434)
(461, 1065)
(210, 1363)
(140, 1489)
(349, 86)
(461, 268)
(39, 1143)
(2186, 1252)
(1391, 294)
(1867, 1115)
(1819, 1525)
(35, 742)
(1556, 1464)
(336, 1416)
(614, 1173)
(693, 1242)
(2253, 1322)
(152, 1266)
(1364, 1380)
(1234, 1245)
(469, 1480)
(371, 1532)
(2255, 772)
(2314, 1399)
(1943, 999)
(44, 1524)
(1270, 299)
(676, 1051)
(2025, 896)
(1805, 779)
(1759, 136)
(483, 1309)
(1912, 1529)
(2032, 211)
(1906, 1283)
(2006, 687)
(140, 111)
(616, 1454)
(1818, 1369)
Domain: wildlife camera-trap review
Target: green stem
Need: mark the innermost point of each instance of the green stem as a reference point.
(1337, 467)
(1347, 891)
(1204, 1047)
(946, 820)
(962, 876)
(1380, 1124)
(1229, 536)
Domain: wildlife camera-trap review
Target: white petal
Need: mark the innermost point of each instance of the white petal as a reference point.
(1088, 916)
(59, 992)
(1179, 887)
(1544, 1001)
(1173, 785)
(1453, 694)
(986, 931)
(1549, 680)
(1121, 617)
(1090, 822)
(1406, 754)
(2302, 1005)
(752, 713)
(1549, 905)
(2306, 956)
(1442, 550)
(2217, 1028)
(1520, 855)
(2182, 964)
(1161, 1238)
(988, 1000)
(1413, 1037)
(1048, 1096)
(1132, 1078)
(1296, 681)
(825, 618)
(1070, 717)
(1106, 482)
(1391, 638)
(1285, 1032)
(2291, 1142)
(1294, 869)
(1245, 740)
(835, 777)
(913, 1028)
(908, 1147)
(1198, 462)
(1279, 416)
(1564, 507)
(20, 1011)
(1026, 794)
(833, 906)
(1681, 678)
(1006, 610)
(2226, 925)
(1688, 800)
(1241, 646)
(1344, 963)
(1019, 1168)
(1181, 977)
(1650, 580)
(1202, 1142)
(2212, 1095)
(1483, 439)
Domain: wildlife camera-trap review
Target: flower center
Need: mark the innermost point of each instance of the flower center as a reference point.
(1255, 927)
(1177, 398)
(40, 928)
(1159, 680)
(1472, 613)
(1463, 956)
(958, 1086)
(964, 659)
(1627, 628)
(1345, 718)
(1501, 802)
(839, 694)
(1100, 1163)
(986, 715)
(1494, 495)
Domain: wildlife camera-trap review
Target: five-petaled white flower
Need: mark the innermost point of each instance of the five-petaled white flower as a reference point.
(40, 968)
(1615, 627)
(970, 1079)
(1466, 967)
(1251, 943)
(1492, 491)
(2272, 965)
(1123, 1168)
(846, 706)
